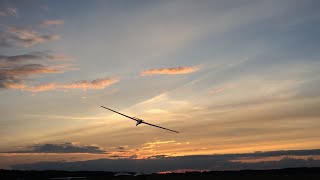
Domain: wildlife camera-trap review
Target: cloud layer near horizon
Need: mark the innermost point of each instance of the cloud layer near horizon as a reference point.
(290, 158)
(171, 71)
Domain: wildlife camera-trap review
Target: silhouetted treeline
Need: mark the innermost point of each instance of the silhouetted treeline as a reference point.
(290, 174)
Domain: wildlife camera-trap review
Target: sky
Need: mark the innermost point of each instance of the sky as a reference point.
(233, 77)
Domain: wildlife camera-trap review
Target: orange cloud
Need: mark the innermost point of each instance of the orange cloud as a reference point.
(41, 87)
(48, 23)
(13, 85)
(31, 69)
(84, 85)
(171, 71)
(94, 84)
(13, 77)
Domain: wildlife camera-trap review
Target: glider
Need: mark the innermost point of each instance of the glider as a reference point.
(139, 121)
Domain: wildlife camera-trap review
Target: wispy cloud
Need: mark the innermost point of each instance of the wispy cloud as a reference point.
(171, 71)
(62, 148)
(24, 37)
(15, 76)
(48, 23)
(9, 11)
(15, 70)
(27, 37)
(10, 60)
(60, 57)
(83, 85)
(41, 87)
(29, 57)
(94, 84)
(30, 69)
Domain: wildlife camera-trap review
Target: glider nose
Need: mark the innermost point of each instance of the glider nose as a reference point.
(139, 122)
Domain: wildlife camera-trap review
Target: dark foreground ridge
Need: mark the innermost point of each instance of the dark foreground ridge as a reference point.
(290, 174)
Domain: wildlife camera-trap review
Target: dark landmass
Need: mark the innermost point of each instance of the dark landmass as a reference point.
(290, 174)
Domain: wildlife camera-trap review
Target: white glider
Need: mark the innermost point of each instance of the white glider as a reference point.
(139, 121)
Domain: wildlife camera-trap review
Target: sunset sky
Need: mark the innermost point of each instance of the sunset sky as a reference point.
(232, 76)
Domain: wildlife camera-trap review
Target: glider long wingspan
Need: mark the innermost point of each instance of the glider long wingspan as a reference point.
(139, 121)
(160, 127)
(120, 113)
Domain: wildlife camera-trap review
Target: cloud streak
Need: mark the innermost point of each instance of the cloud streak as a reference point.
(94, 84)
(41, 87)
(9, 11)
(24, 37)
(48, 23)
(62, 148)
(171, 71)
(83, 85)
(14, 77)
(15, 70)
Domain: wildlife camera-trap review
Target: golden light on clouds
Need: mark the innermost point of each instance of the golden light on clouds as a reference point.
(83, 85)
(13, 85)
(41, 87)
(171, 71)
